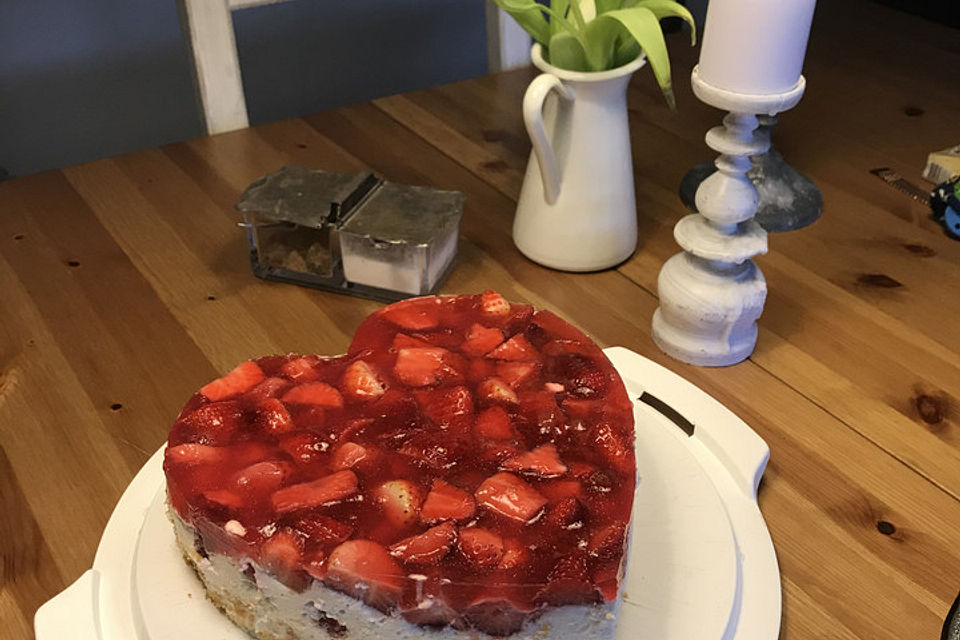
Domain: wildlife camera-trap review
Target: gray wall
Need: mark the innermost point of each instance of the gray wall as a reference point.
(83, 79)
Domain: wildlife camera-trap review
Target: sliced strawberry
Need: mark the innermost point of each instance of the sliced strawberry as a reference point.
(365, 570)
(246, 453)
(607, 579)
(280, 554)
(580, 375)
(517, 372)
(493, 304)
(213, 423)
(580, 470)
(508, 495)
(553, 324)
(560, 489)
(305, 447)
(543, 462)
(496, 451)
(269, 388)
(497, 391)
(516, 348)
(581, 407)
(353, 427)
(399, 500)
(423, 366)
(600, 481)
(361, 383)
(322, 531)
(314, 563)
(445, 338)
(191, 454)
(350, 454)
(303, 369)
(608, 541)
(308, 416)
(447, 502)
(455, 367)
(482, 548)
(481, 339)
(565, 514)
(561, 346)
(515, 555)
(448, 408)
(494, 423)
(518, 319)
(261, 478)
(569, 583)
(272, 417)
(319, 393)
(224, 497)
(539, 416)
(480, 368)
(428, 547)
(326, 490)
(243, 377)
(395, 416)
(614, 447)
(434, 448)
(416, 314)
(403, 341)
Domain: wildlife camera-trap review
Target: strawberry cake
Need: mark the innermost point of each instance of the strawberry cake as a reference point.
(466, 470)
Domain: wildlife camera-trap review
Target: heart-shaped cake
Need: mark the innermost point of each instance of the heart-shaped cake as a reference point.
(467, 468)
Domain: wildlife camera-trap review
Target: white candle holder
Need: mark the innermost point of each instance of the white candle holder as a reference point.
(788, 201)
(712, 294)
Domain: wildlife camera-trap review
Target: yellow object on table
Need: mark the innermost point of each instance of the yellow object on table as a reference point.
(943, 165)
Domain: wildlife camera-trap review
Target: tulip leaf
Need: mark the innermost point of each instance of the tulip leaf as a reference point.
(643, 25)
(566, 52)
(603, 6)
(667, 9)
(559, 8)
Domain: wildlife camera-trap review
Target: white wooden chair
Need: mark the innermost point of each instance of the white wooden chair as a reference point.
(208, 29)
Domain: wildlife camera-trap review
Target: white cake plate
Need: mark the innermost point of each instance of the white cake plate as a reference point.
(701, 563)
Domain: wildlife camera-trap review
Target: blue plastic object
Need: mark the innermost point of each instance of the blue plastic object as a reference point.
(945, 201)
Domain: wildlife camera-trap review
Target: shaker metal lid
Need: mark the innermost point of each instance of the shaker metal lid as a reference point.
(306, 197)
(399, 213)
(951, 626)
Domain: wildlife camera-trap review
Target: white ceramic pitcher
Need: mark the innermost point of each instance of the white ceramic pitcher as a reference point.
(577, 210)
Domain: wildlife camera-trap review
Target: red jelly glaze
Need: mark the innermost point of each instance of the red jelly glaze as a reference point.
(568, 551)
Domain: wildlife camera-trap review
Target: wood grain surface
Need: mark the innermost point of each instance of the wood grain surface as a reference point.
(126, 286)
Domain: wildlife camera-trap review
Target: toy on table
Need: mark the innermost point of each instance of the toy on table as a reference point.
(945, 202)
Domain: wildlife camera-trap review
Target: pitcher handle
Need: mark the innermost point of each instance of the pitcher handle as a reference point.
(533, 101)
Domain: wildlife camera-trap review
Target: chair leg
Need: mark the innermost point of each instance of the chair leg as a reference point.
(508, 45)
(208, 30)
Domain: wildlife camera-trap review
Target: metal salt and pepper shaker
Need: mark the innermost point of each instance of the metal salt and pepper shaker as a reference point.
(351, 233)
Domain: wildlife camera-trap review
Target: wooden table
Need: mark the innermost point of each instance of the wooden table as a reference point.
(126, 286)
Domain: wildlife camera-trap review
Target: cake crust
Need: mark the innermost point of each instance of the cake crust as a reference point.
(248, 596)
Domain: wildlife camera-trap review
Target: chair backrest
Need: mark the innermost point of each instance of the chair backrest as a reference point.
(208, 30)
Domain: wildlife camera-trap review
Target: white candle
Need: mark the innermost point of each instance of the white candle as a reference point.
(755, 46)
